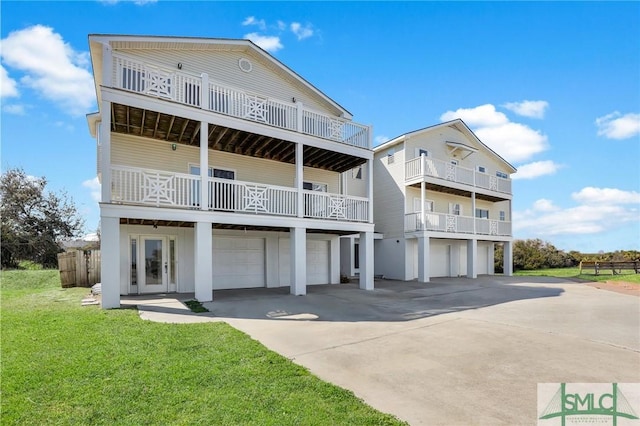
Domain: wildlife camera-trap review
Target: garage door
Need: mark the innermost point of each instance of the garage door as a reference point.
(483, 260)
(439, 260)
(317, 262)
(238, 263)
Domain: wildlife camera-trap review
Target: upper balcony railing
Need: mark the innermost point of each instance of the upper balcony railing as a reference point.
(201, 92)
(179, 190)
(442, 222)
(415, 168)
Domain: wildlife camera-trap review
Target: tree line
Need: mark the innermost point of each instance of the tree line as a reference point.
(537, 254)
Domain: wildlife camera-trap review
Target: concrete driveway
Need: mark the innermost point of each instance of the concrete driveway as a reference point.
(454, 351)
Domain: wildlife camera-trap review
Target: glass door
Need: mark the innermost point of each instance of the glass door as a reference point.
(154, 268)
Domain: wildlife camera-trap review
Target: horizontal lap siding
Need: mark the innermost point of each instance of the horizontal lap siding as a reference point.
(222, 67)
(388, 194)
(133, 151)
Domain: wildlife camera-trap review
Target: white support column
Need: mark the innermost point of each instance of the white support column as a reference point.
(204, 91)
(423, 224)
(300, 178)
(299, 115)
(203, 260)
(298, 253)
(370, 188)
(107, 66)
(473, 210)
(366, 261)
(334, 259)
(204, 165)
(423, 258)
(507, 262)
(472, 258)
(105, 146)
(110, 261)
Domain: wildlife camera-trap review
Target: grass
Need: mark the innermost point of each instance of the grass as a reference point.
(67, 364)
(574, 273)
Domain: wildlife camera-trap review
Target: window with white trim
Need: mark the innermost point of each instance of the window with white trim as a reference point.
(313, 186)
(502, 175)
(482, 213)
(453, 161)
(357, 173)
(482, 169)
(390, 156)
(420, 151)
(455, 209)
(428, 205)
(502, 215)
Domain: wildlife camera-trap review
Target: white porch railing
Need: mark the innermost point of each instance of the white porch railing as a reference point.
(450, 172)
(166, 189)
(442, 222)
(154, 80)
(322, 205)
(245, 197)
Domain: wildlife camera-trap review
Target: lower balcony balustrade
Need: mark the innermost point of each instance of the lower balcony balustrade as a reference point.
(179, 190)
(442, 222)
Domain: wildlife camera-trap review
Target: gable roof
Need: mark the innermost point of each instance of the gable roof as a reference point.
(457, 124)
(197, 43)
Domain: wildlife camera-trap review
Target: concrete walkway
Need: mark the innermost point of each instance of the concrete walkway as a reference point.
(454, 351)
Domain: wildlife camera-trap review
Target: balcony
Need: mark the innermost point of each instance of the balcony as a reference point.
(444, 172)
(200, 91)
(178, 190)
(442, 222)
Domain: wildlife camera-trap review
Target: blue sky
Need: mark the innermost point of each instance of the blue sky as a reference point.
(552, 87)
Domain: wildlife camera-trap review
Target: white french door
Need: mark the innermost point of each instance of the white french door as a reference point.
(157, 264)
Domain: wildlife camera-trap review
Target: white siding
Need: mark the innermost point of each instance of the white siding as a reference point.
(265, 79)
(389, 194)
(135, 151)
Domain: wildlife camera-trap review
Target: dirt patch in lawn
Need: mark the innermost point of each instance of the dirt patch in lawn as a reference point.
(618, 286)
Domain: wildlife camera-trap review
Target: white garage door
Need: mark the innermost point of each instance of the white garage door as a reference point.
(238, 263)
(317, 262)
(439, 260)
(483, 260)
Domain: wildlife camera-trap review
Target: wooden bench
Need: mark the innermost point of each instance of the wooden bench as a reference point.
(616, 267)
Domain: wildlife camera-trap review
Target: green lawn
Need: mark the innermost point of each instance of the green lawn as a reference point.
(67, 364)
(605, 275)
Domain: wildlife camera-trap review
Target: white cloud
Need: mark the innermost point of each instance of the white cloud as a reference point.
(513, 141)
(599, 210)
(251, 20)
(591, 196)
(94, 186)
(282, 25)
(537, 169)
(15, 109)
(379, 140)
(268, 43)
(300, 31)
(532, 109)
(544, 205)
(8, 86)
(51, 67)
(618, 126)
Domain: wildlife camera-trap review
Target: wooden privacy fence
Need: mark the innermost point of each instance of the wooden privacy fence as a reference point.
(616, 266)
(79, 268)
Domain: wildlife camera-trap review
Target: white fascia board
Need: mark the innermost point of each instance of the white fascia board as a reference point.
(170, 214)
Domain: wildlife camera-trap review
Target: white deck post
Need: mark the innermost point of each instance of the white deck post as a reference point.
(472, 258)
(298, 253)
(105, 146)
(204, 91)
(366, 261)
(110, 261)
(204, 166)
(334, 253)
(473, 210)
(423, 258)
(300, 178)
(203, 259)
(507, 261)
(370, 189)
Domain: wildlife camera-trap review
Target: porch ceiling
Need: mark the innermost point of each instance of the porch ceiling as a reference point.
(460, 192)
(175, 129)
